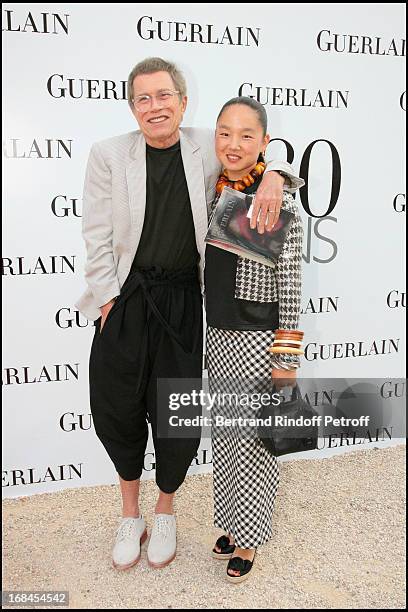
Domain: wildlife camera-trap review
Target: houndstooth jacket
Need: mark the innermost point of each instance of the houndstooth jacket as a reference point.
(261, 283)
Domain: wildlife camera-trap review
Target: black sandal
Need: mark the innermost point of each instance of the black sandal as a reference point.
(226, 548)
(243, 566)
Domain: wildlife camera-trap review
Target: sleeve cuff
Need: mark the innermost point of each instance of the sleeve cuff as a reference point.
(292, 182)
(107, 296)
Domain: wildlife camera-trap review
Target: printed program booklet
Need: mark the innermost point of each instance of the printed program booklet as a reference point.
(230, 229)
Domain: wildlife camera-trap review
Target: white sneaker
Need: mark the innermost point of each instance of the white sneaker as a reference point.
(162, 545)
(130, 535)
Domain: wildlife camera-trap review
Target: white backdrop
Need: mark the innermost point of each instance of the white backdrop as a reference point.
(62, 63)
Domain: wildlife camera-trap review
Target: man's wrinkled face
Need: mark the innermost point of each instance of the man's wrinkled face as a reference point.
(160, 116)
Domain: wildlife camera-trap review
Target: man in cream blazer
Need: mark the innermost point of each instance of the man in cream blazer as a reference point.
(146, 202)
(119, 166)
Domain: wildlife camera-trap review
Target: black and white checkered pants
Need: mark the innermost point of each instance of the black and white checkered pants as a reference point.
(246, 475)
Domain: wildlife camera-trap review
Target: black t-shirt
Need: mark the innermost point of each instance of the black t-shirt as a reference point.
(168, 235)
(223, 309)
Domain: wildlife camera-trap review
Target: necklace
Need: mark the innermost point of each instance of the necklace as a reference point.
(242, 183)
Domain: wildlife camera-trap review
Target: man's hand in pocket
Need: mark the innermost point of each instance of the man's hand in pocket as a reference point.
(105, 309)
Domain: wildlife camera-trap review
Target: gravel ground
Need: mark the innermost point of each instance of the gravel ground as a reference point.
(339, 542)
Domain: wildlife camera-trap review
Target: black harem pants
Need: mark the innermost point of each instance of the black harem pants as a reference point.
(153, 331)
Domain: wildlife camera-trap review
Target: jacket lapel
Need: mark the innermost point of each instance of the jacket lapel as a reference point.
(136, 184)
(194, 171)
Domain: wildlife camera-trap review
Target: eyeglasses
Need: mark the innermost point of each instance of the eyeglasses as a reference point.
(144, 102)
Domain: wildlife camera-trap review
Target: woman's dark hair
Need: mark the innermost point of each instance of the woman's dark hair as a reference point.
(256, 106)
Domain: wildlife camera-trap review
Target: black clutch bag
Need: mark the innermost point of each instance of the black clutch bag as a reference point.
(289, 437)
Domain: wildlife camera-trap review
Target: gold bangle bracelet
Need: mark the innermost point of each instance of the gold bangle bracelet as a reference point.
(287, 343)
(284, 349)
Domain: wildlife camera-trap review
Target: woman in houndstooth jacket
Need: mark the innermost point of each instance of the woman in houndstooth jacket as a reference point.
(245, 302)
